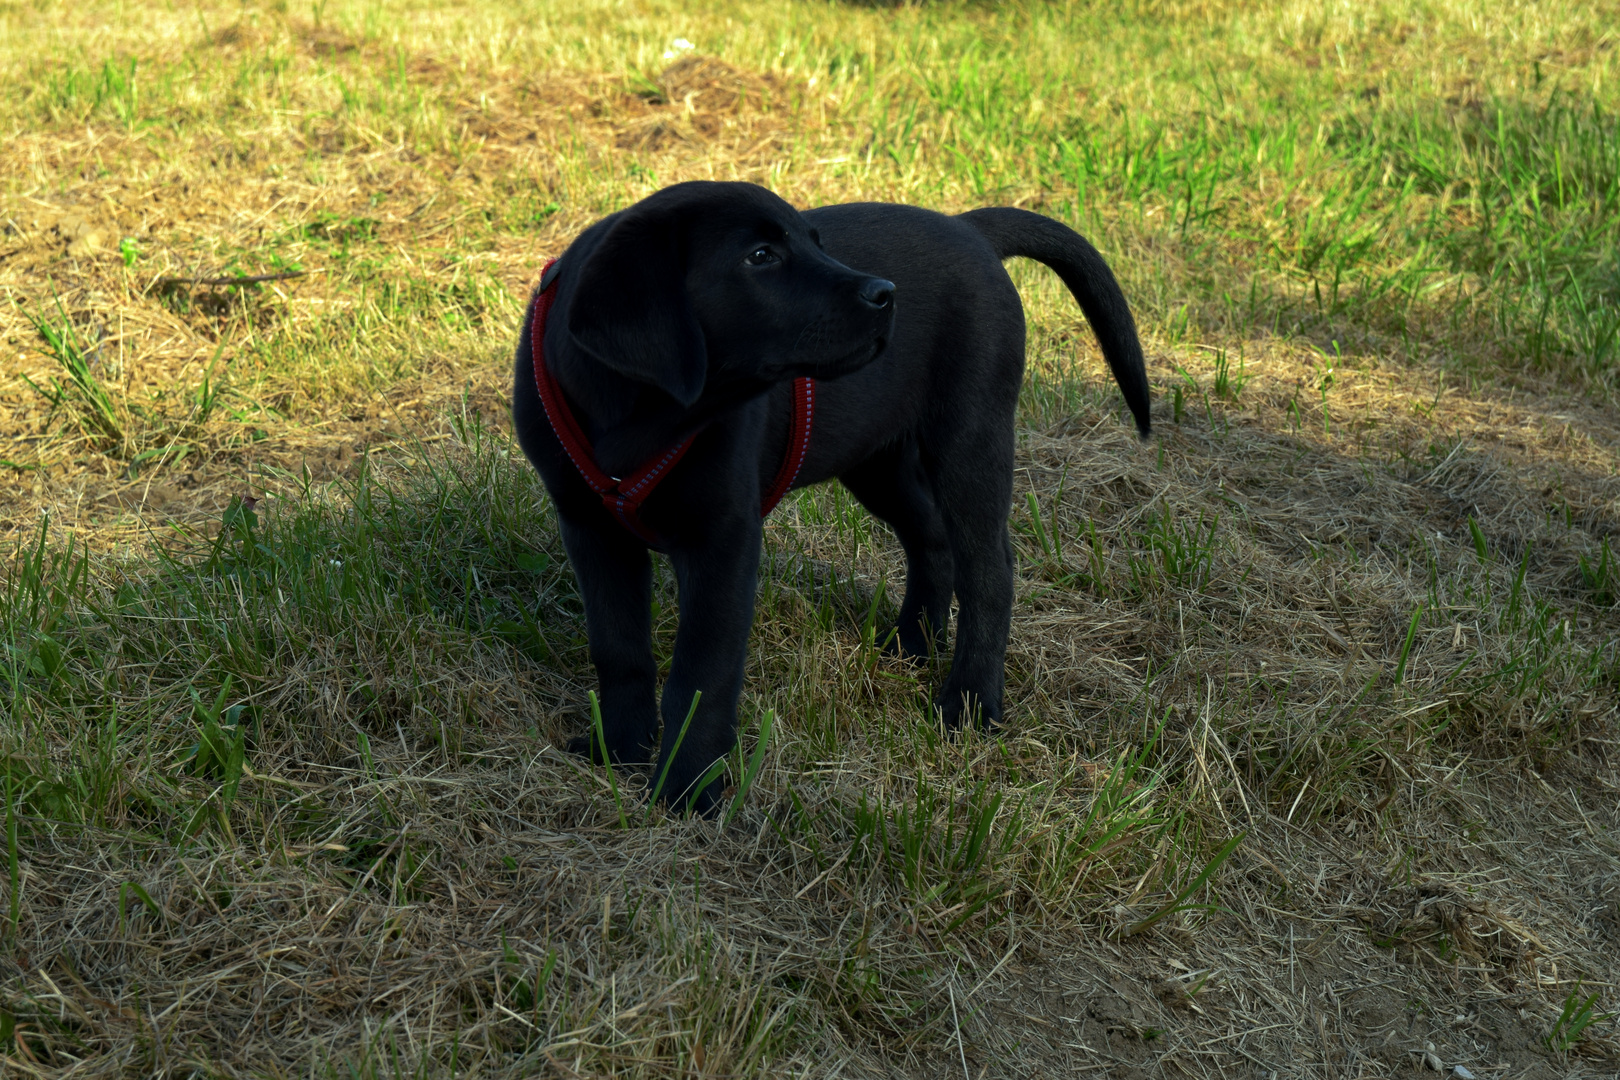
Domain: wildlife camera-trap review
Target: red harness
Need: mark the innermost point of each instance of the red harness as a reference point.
(623, 497)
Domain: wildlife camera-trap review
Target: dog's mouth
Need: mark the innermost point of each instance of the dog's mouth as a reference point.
(859, 347)
(842, 364)
(855, 359)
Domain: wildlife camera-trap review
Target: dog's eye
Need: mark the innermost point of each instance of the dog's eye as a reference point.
(760, 256)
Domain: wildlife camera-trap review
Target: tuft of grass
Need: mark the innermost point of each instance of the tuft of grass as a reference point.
(1178, 903)
(84, 397)
(1177, 554)
(1600, 574)
(1578, 1014)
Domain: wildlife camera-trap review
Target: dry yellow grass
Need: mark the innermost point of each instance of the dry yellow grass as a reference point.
(287, 797)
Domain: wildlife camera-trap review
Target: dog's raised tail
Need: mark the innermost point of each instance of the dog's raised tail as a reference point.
(1032, 236)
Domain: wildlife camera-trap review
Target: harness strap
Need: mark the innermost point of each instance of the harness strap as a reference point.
(623, 497)
(804, 402)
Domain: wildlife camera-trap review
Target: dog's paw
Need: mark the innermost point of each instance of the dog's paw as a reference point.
(959, 709)
(892, 644)
(699, 795)
(705, 803)
(587, 746)
(910, 642)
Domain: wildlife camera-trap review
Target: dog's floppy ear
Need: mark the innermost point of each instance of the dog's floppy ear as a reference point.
(630, 309)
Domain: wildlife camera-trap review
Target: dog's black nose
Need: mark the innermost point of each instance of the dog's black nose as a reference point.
(877, 293)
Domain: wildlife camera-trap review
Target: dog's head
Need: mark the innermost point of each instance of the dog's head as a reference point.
(723, 287)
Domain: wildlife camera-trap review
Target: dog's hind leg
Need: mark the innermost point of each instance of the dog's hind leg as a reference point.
(894, 487)
(973, 470)
(615, 580)
(976, 520)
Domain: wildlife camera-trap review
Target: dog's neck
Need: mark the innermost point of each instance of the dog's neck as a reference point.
(623, 419)
(630, 422)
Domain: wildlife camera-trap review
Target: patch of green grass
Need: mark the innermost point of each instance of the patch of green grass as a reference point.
(1578, 1014)
(1175, 552)
(268, 593)
(83, 397)
(1349, 177)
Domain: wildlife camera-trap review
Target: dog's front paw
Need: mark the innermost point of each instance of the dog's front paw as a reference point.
(684, 792)
(705, 803)
(588, 746)
(959, 708)
(912, 647)
(918, 639)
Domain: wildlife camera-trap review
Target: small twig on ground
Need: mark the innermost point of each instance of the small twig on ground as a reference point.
(243, 279)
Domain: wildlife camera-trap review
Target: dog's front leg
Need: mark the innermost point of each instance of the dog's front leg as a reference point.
(717, 583)
(615, 580)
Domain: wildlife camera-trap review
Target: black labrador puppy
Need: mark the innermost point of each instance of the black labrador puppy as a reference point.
(691, 358)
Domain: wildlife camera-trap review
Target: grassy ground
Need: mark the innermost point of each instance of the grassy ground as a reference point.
(1311, 764)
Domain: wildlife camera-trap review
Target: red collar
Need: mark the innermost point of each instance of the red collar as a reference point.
(623, 497)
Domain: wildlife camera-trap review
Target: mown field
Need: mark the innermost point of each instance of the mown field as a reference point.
(1311, 765)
